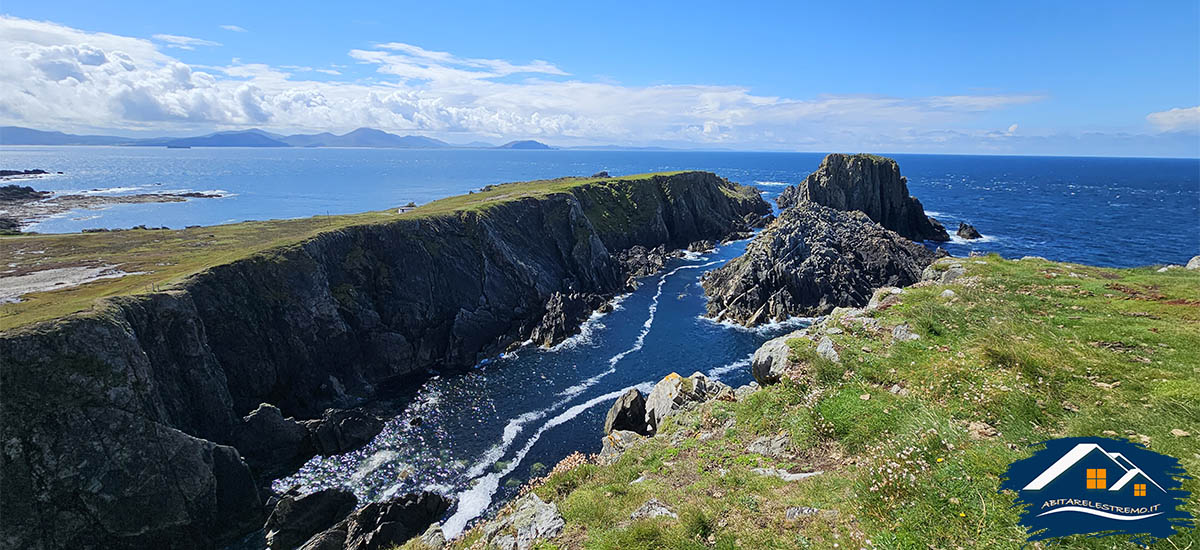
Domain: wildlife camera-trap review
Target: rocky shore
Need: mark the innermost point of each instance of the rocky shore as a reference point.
(156, 419)
(23, 205)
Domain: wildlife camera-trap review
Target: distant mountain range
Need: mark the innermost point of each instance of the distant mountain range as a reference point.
(362, 137)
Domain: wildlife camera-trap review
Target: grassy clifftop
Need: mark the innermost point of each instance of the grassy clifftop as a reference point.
(913, 436)
(160, 259)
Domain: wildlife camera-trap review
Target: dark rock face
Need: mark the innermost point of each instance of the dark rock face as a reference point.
(627, 413)
(639, 262)
(811, 260)
(564, 313)
(21, 193)
(758, 221)
(117, 423)
(269, 442)
(297, 518)
(341, 431)
(869, 184)
(383, 525)
(967, 231)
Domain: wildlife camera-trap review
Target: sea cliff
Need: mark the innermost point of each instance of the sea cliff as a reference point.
(121, 419)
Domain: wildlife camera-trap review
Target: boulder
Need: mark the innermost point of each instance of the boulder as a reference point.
(341, 431)
(613, 445)
(434, 538)
(825, 350)
(811, 260)
(944, 271)
(270, 443)
(757, 221)
(901, 333)
(296, 518)
(870, 184)
(628, 413)
(1194, 263)
(600, 174)
(770, 360)
(967, 231)
(530, 521)
(674, 392)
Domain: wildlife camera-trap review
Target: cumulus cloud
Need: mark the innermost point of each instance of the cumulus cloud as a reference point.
(183, 42)
(62, 78)
(1178, 119)
(233, 28)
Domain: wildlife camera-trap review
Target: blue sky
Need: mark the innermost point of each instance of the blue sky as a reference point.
(1034, 78)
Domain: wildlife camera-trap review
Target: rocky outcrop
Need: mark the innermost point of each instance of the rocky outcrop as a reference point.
(530, 520)
(1194, 263)
(627, 413)
(118, 422)
(674, 392)
(382, 525)
(870, 184)
(296, 518)
(809, 261)
(771, 360)
(967, 231)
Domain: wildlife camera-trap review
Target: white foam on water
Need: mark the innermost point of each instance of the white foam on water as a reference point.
(717, 372)
(773, 183)
(968, 242)
(765, 328)
(473, 501)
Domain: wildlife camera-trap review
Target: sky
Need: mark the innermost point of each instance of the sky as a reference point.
(1071, 78)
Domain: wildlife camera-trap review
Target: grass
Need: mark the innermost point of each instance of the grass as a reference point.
(1033, 349)
(163, 259)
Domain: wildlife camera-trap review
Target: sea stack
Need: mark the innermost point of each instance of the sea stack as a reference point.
(871, 184)
(967, 231)
(809, 261)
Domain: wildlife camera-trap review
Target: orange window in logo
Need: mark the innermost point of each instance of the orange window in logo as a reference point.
(1139, 489)
(1097, 478)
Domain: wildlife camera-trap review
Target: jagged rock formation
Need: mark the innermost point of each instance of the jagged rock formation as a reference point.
(967, 231)
(382, 525)
(809, 261)
(120, 424)
(870, 184)
(296, 518)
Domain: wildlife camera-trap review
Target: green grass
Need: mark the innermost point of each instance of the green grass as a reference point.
(1024, 346)
(165, 258)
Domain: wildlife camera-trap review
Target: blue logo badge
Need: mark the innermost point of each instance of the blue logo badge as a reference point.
(1098, 486)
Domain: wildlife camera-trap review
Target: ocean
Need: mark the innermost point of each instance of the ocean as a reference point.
(478, 435)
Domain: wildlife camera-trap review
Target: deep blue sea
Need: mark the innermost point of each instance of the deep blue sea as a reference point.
(482, 433)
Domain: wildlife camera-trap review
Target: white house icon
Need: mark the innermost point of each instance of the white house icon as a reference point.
(1129, 469)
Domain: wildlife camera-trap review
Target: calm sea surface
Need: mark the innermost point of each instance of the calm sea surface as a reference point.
(481, 434)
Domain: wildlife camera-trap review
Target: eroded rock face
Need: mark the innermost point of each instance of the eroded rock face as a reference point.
(870, 184)
(383, 525)
(809, 261)
(627, 413)
(269, 442)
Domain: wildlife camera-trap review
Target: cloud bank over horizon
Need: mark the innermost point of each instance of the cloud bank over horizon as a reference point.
(62, 78)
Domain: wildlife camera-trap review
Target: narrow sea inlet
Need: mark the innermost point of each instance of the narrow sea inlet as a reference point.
(479, 436)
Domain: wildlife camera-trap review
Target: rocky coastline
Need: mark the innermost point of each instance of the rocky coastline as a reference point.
(157, 419)
(21, 206)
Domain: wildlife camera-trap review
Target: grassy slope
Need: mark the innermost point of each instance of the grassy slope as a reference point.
(166, 258)
(1024, 346)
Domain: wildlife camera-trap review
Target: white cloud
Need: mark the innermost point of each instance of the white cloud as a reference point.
(57, 77)
(1180, 118)
(1012, 130)
(183, 42)
(233, 28)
